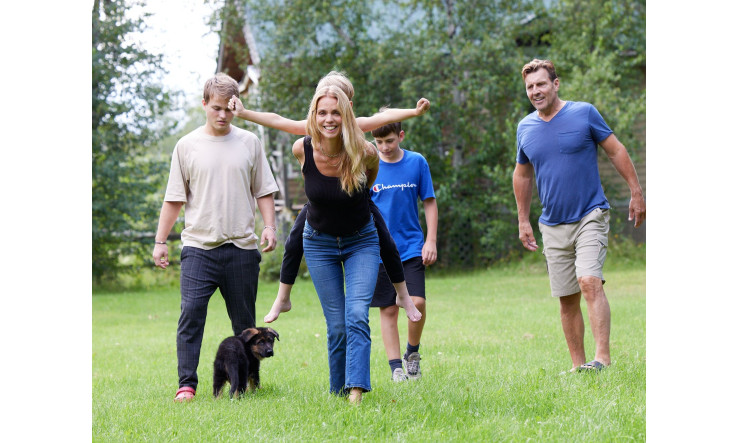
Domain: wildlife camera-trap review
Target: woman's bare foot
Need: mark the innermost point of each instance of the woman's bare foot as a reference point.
(355, 395)
(281, 304)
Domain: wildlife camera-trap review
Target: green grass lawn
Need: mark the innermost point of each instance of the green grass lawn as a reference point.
(493, 352)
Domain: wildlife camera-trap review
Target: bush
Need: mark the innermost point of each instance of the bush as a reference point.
(271, 263)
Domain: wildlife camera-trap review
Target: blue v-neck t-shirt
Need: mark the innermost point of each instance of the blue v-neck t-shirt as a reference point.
(563, 152)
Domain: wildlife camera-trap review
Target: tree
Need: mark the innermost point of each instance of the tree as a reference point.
(465, 56)
(127, 108)
(459, 54)
(599, 48)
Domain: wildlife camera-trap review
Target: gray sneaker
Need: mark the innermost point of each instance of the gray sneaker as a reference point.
(412, 364)
(399, 375)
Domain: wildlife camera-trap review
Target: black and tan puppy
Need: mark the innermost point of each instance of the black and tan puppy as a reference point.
(238, 358)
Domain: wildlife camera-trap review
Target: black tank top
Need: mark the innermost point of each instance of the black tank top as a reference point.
(331, 210)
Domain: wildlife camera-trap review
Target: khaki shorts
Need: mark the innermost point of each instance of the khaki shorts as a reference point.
(575, 250)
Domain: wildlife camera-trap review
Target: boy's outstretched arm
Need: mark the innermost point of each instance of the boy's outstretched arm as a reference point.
(392, 115)
(269, 119)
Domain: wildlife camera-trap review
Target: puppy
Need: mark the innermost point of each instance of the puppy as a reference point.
(238, 358)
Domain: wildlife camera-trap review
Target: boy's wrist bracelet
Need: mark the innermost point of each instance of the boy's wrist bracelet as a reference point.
(274, 229)
(160, 242)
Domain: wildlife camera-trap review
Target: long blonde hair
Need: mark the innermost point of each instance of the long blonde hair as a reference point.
(351, 166)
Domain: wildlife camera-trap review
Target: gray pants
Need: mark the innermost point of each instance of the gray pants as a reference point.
(235, 272)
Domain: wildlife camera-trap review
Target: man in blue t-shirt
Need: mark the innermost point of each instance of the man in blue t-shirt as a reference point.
(403, 178)
(557, 143)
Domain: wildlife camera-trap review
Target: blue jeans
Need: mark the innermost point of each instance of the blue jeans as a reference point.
(346, 313)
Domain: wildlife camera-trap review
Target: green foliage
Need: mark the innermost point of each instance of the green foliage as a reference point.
(271, 264)
(623, 251)
(492, 354)
(465, 56)
(600, 54)
(127, 108)
(470, 138)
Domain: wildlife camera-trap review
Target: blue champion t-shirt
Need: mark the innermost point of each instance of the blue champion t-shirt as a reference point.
(396, 192)
(563, 153)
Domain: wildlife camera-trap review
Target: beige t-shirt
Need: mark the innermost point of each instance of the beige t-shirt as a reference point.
(219, 180)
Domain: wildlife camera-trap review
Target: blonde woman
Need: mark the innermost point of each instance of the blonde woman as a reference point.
(293, 245)
(340, 239)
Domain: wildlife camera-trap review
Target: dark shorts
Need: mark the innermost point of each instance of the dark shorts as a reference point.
(384, 292)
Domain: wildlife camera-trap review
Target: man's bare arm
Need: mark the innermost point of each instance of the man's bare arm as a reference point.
(624, 165)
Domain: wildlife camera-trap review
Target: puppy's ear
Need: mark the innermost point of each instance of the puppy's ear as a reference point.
(273, 332)
(249, 333)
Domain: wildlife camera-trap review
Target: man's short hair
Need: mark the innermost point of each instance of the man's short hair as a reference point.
(536, 64)
(220, 84)
(384, 131)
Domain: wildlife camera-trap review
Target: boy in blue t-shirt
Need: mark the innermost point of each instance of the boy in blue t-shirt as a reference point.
(403, 178)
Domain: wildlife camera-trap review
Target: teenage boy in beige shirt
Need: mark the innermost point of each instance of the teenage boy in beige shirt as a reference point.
(221, 175)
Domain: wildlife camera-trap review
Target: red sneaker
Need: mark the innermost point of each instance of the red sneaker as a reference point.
(184, 394)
